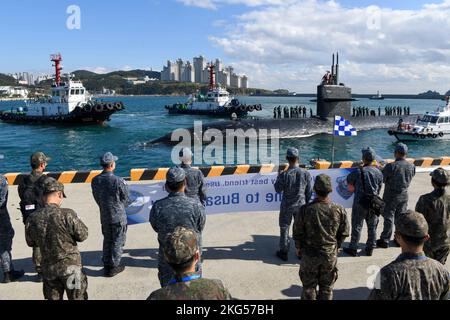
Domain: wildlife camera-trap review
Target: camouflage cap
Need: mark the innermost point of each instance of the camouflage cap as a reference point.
(441, 176)
(180, 245)
(412, 224)
(51, 185)
(401, 148)
(38, 158)
(175, 175)
(292, 153)
(323, 183)
(368, 154)
(107, 159)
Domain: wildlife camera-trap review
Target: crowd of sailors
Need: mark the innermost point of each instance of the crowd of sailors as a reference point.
(291, 112)
(362, 111)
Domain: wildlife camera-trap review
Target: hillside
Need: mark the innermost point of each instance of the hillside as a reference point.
(7, 80)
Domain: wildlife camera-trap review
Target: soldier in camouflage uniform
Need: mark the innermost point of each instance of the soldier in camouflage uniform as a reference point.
(320, 228)
(6, 236)
(373, 181)
(435, 207)
(195, 181)
(56, 231)
(181, 251)
(31, 196)
(397, 177)
(112, 196)
(295, 184)
(174, 211)
(412, 276)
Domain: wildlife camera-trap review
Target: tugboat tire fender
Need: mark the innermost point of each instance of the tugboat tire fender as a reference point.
(243, 108)
(422, 136)
(251, 108)
(98, 107)
(110, 106)
(435, 135)
(441, 134)
(390, 132)
(258, 107)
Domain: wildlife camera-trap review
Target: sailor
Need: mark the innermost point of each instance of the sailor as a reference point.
(435, 207)
(304, 112)
(57, 231)
(397, 177)
(379, 111)
(295, 184)
(320, 228)
(31, 196)
(275, 112)
(279, 112)
(181, 251)
(367, 180)
(176, 210)
(310, 112)
(6, 237)
(195, 181)
(111, 194)
(412, 276)
(354, 112)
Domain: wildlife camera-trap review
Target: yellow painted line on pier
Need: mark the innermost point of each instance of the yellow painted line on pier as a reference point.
(136, 174)
(161, 174)
(242, 169)
(11, 177)
(216, 171)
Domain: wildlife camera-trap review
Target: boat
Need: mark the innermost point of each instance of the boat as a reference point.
(69, 103)
(217, 102)
(430, 126)
(377, 97)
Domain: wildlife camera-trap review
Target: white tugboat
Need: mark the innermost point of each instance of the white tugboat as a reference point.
(217, 102)
(69, 103)
(377, 97)
(430, 126)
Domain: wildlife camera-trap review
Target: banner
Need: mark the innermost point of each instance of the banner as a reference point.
(235, 194)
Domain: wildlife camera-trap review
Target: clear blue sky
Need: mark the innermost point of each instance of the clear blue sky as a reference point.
(115, 34)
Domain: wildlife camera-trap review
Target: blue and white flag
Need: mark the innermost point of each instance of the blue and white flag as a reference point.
(343, 128)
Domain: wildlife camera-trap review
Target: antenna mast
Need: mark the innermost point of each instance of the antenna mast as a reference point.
(56, 58)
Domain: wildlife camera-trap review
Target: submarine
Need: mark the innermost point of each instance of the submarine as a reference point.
(333, 99)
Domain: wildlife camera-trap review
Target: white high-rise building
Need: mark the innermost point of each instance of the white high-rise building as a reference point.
(235, 81)
(199, 66)
(244, 82)
(170, 72)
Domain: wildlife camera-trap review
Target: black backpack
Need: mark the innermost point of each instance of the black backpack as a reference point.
(32, 196)
(372, 202)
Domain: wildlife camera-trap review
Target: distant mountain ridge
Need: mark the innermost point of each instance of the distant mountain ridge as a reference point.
(6, 80)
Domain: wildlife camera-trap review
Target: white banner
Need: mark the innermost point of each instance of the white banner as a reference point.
(235, 194)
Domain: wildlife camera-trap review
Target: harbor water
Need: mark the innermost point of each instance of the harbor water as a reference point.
(145, 119)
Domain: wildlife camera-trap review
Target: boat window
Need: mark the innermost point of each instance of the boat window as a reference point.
(72, 91)
(82, 91)
(431, 119)
(77, 92)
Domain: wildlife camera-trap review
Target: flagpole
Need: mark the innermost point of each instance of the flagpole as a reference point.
(333, 143)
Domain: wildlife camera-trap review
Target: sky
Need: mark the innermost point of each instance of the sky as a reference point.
(398, 46)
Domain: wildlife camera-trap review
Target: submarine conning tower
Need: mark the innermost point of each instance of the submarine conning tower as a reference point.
(333, 98)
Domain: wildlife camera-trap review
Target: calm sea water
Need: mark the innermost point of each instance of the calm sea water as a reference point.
(145, 119)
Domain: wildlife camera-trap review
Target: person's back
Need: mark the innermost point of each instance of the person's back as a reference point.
(413, 277)
(110, 193)
(57, 231)
(30, 193)
(198, 289)
(295, 186)
(176, 210)
(195, 184)
(397, 177)
(321, 227)
(435, 207)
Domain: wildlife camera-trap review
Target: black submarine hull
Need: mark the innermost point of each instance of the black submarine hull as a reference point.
(292, 128)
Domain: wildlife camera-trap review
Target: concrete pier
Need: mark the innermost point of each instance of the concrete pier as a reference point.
(239, 249)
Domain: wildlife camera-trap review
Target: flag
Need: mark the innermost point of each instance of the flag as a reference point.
(343, 128)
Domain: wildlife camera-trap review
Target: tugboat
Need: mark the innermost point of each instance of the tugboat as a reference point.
(217, 102)
(377, 97)
(431, 126)
(69, 103)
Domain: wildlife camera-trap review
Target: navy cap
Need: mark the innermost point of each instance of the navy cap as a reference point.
(401, 148)
(368, 154)
(292, 153)
(108, 158)
(175, 175)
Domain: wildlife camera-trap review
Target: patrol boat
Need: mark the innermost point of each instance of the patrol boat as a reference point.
(217, 102)
(430, 126)
(69, 103)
